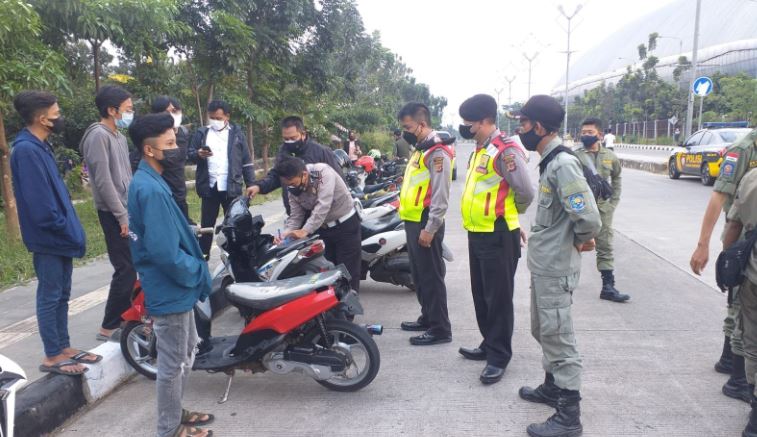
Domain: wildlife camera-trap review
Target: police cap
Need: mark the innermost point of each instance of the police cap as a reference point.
(544, 109)
(479, 107)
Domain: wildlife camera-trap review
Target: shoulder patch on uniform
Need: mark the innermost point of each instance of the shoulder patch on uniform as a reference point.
(732, 156)
(728, 168)
(577, 202)
(509, 162)
(438, 164)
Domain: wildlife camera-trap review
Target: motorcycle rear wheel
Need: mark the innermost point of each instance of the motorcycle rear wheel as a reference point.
(361, 352)
(137, 342)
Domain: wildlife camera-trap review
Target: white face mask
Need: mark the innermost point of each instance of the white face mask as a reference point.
(176, 119)
(217, 125)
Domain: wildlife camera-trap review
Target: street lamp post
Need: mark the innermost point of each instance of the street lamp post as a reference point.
(509, 80)
(690, 101)
(567, 62)
(498, 91)
(530, 60)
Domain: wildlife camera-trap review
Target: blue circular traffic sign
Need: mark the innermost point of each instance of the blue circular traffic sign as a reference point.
(702, 86)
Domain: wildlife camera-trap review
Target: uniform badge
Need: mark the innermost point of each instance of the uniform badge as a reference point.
(607, 162)
(728, 169)
(753, 163)
(732, 156)
(483, 162)
(577, 202)
(438, 164)
(545, 189)
(509, 162)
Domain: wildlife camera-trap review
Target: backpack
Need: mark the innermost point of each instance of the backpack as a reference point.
(600, 188)
(731, 263)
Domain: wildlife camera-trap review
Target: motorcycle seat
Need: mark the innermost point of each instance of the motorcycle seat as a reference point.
(368, 189)
(267, 295)
(375, 226)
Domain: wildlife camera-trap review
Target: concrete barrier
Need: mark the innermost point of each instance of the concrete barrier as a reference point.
(645, 165)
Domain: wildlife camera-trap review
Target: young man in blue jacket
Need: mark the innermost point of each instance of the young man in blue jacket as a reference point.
(49, 226)
(171, 268)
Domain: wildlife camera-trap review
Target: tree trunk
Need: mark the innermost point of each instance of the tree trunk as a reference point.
(250, 139)
(9, 200)
(96, 59)
(250, 142)
(211, 90)
(196, 92)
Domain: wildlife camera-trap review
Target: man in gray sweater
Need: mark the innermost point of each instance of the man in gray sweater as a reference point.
(106, 153)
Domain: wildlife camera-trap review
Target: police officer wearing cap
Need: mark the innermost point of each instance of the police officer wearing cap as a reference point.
(567, 220)
(424, 199)
(497, 189)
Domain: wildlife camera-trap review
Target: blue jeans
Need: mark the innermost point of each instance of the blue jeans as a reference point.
(53, 292)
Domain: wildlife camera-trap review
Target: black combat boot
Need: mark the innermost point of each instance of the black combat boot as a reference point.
(725, 363)
(566, 422)
(609, 292)
(751, 426)
(546, 393)
(736, 387)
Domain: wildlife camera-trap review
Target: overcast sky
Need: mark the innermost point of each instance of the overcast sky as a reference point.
(463, 47)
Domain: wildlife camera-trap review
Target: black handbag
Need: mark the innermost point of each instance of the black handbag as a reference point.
(732, 262)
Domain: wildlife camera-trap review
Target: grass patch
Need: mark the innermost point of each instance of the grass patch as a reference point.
(16, 262)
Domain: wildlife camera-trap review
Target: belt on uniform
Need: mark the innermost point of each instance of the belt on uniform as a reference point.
(340, 220)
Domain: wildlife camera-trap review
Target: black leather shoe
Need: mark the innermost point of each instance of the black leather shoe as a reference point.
(491, 374)
(413, 326)
(427, 339)
(475, 354)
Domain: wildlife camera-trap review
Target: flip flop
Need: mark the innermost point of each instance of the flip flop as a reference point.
(57, 368)
(191, 431)
(186, 415)
(115, 336)
(81, 357)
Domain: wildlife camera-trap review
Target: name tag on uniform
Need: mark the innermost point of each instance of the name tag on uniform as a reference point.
(483, 162)
(607, 162)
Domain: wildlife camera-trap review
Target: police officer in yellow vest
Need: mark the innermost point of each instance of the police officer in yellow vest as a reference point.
(423, 203)
(497, 189)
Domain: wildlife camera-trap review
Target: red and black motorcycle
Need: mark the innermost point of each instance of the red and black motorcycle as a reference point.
(291, 325)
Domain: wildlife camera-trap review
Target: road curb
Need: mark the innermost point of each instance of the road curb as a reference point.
(650, 166)
(47, 403)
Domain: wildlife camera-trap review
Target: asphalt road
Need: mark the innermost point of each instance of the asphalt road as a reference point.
(648, 363)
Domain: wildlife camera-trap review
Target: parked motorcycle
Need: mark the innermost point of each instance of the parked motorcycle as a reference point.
(295, 325)
(12, 378)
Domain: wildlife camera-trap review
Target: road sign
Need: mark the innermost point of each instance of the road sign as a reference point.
(673, 120)
(702, 86)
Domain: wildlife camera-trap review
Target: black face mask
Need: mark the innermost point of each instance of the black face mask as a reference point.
(296, 145)
(589, 140)
(465, 132)
(530, 140)
(299, 189)
(58, 125)
(172, 159)
(410, 138)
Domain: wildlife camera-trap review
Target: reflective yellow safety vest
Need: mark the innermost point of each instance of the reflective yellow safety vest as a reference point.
(487, 195)
(415, 194)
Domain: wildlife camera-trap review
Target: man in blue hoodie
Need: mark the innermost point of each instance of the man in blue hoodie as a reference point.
(49, 226)
(171, 268)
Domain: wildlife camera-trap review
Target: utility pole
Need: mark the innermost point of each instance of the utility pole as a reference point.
(509, 80)
(498, 91)
(530, 60)
(567, 63)
(690, 102)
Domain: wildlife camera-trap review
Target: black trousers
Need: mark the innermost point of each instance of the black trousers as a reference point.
(124, 275)
(493, 261)
(428, 270)
(209, 215)
(343, 246)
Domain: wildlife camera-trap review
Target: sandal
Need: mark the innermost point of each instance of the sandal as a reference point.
(82, 357)
(187, 416)
(188, 431)
(58, 368)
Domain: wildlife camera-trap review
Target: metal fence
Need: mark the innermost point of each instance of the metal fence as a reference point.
(637, 130)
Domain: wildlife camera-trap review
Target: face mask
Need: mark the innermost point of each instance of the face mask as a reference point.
(409, 137)
(125, 120)
(172, 159)
(530, 139)
(296, 145)
(176, 120)
(216, 125)
(297, 190)
(465, 132)
(58, 125)
(589, 140)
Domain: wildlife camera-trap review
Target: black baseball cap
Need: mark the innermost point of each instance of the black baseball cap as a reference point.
(545, 109)
(478, 107)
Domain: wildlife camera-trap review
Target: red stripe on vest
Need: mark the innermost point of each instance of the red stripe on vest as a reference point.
(502, 143)
(449, 151)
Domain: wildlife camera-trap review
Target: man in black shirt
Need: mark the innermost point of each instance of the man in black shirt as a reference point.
(174, 176)
(296, 143)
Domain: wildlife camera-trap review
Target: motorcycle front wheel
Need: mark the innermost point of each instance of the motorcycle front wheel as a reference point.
(358, 348)
(138, 348)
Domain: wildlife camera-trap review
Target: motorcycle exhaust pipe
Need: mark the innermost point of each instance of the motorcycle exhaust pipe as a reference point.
(374, 329)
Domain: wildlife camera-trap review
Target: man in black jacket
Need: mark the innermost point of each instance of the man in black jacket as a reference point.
(223, 163)
(296, 143)
(174, 176)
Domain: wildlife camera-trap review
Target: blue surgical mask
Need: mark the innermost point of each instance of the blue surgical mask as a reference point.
(125, 120)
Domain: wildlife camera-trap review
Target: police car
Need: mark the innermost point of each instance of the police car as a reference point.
(703, 153)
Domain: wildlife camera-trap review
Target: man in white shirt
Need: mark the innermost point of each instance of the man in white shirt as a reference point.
(609, 139)
(223, 162)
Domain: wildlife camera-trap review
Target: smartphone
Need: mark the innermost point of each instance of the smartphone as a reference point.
(206, 148)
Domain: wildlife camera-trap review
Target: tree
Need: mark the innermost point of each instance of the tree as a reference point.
(27, 63)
